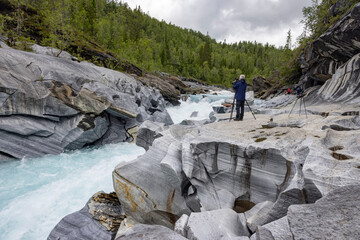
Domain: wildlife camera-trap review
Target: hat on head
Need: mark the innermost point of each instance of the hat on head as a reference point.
(242, 76)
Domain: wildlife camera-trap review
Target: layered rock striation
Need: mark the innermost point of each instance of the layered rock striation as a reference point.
(50, 104)
(332, 49)
(257, 168)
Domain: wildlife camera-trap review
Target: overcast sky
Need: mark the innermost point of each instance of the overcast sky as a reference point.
(234, 20)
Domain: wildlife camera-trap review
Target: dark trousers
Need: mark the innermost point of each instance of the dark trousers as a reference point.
(239, 109)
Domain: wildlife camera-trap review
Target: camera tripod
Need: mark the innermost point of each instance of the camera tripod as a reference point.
(302, 101)
(232, 109)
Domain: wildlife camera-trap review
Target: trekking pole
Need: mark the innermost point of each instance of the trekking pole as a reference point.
(232, 109)
(250, 108)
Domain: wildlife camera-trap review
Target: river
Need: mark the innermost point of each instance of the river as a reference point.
(35, 194)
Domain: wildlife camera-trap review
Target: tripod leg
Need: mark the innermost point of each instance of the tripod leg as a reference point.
(300, 107)
(250, 108)
(305, 107)
(232, 109)
(293, 107)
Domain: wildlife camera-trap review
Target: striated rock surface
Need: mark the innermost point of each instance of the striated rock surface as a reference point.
(332, 49)
(345, 84)
(237, 165)
(155, 196)
(50, 104)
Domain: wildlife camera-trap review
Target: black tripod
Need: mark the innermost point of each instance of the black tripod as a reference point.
(302, 101)
(232, 109)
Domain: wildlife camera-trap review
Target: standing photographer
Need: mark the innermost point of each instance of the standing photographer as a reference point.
(240, 90)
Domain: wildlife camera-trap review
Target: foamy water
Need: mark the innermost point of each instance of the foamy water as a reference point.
(35, 194)
(203, 106)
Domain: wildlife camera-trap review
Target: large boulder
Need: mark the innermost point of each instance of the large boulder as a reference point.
(99, 219)
(217, 224)
(156, 195)
(49, 104)
(336, 216)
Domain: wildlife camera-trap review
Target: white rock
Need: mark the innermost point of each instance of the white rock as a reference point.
(217, 224)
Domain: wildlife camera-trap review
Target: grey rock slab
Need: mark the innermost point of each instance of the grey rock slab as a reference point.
(346, 124)
(180, 225)
(79, 138)
(116, 132)
(257, 215)
(332, 162)
(148, 197)
(148, 132)
(26, 125)
(335, 216)
(216, 224)
(277, 230)
(52, 52)
(149, 232)
(67, 134)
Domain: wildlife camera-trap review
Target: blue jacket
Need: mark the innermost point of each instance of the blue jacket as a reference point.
(240, 89)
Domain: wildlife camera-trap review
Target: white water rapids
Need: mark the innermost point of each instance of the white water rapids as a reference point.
(35, 194)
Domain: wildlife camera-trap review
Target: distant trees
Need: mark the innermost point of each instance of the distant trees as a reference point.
(148, 43)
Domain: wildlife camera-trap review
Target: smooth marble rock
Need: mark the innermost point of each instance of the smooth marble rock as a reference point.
(216, 224)
(149, 232)
(80, 136)
(343, 86)
(277, 230)
(52, 52)
(27, 126)
(180, 225)
(150, 197)
(332, 162)
(229, 167)
(223, 165)
(257, 215)
(346, 124)
(116, 132)
(148, 132)
(66, 134)
(278, 101)
(335, 216)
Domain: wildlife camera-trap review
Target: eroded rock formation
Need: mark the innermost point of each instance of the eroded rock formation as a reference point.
(193, 168)
(50, 104)
(332, 49)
